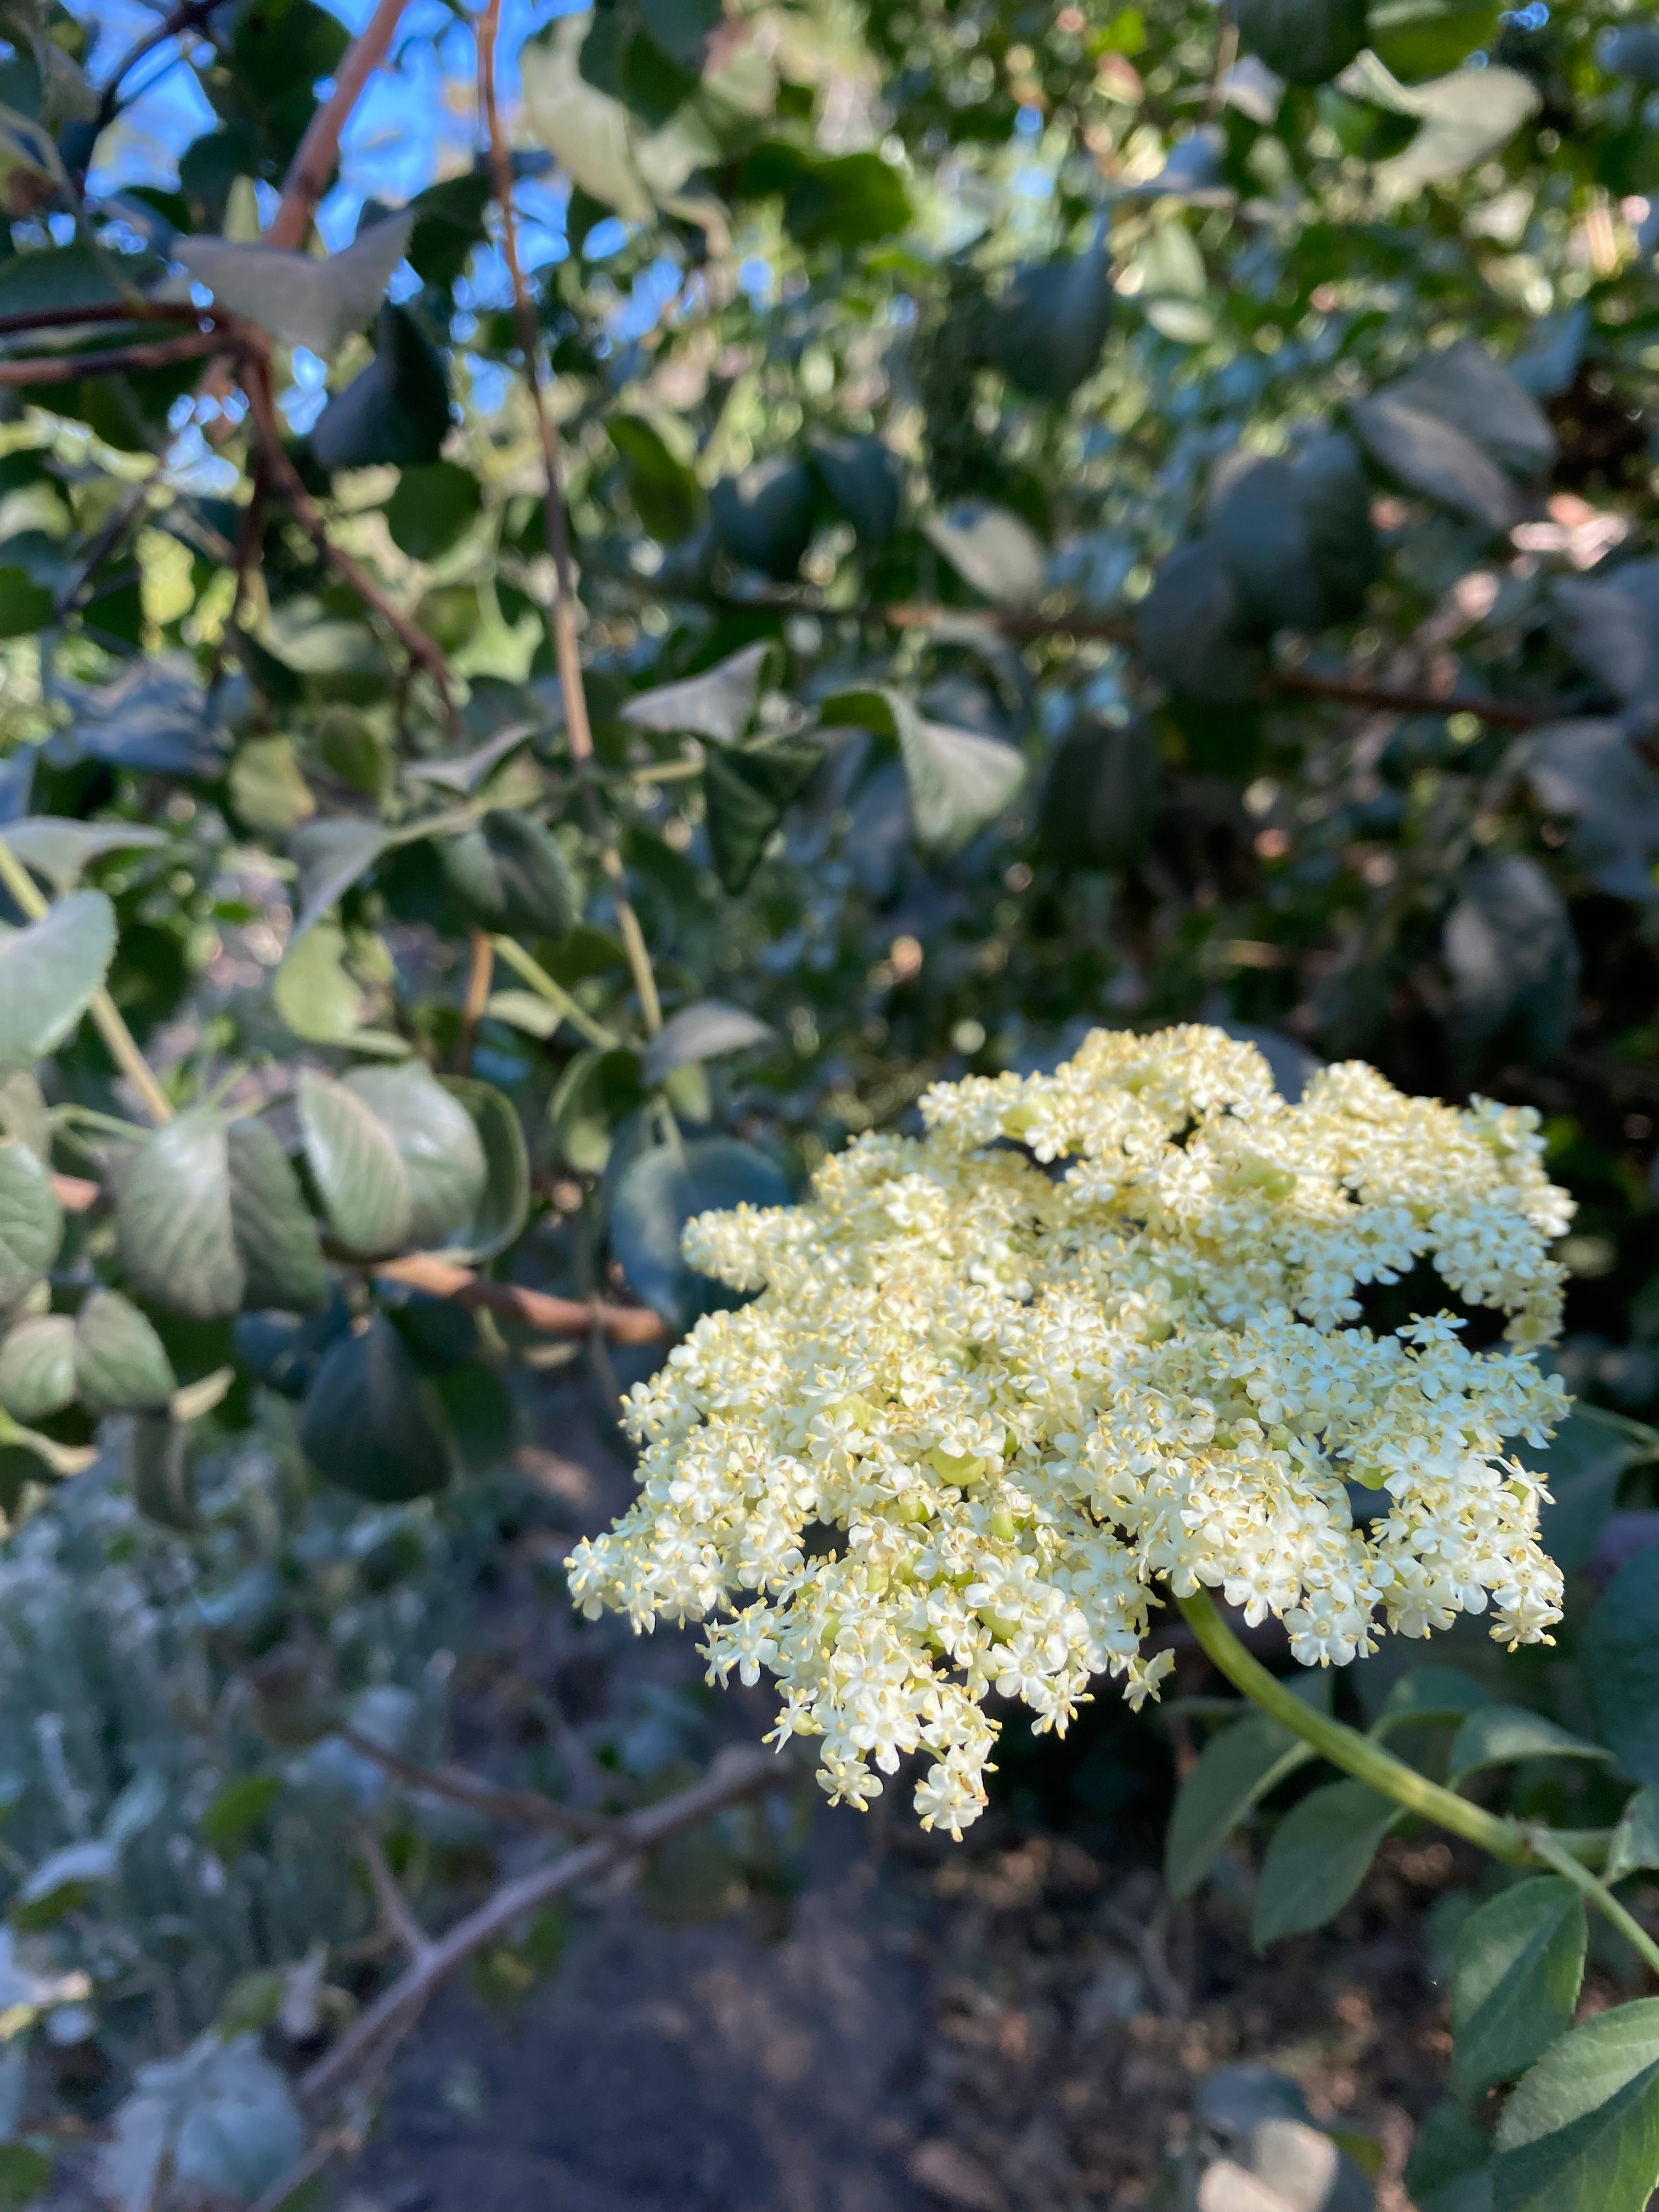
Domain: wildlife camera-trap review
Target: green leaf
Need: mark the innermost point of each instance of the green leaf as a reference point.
(1462, 118)
(663, 1189)
(396, 1160)
(1581, 2131)
(1049, 326)
(1260, 533)
(275, 1238)
(159, 1471)
(1621, 1667)
(177, 1242)
(232, 1817)
(1635, 1841)
(1446, 2171)
(1336, 512)
(26, 2171)
(1101, 797)
(24, 1114)
(1190, 628)
(586, 131)
(432, 509)
(1303, 41)
(1516, 1974)
(356, 1167)
(268, 792)
(331, 856)
(503, 1206)
(512, 873)
(1583, 1463)
(1434, 457)
(763, 517)
(121, 1366)
(50, 972)
(31, 1221)
(1320, 1854)
(1513, 957)
(992, 550)
(1237, 1768)
(864, 480)
(958, 781)
(1417, 38)
(705, 1030)
(1500, 1736)
(312, 990)
(302, 301)
(37, 1367)
(1430, 1694)
(720, 704)
(370, 1422)
(155, 717)
(217, 2126)
(665, 493)
(25, 606)
(1465, 387)
(58, 850)
(845, 200)
(396, 411)
(745, 794)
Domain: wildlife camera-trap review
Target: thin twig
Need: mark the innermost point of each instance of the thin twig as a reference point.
(518, 1808)
(262, 414)
(44, 318)
(313, 165)
(118, 1037)
(562, 617)
(480, 969)
(395, 1909)
(537, 1310)
(734, 1776)
(111, 361)
(568, 1008)
(115, 528)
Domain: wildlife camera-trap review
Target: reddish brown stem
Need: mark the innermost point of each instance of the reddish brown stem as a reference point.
(521, 1808)
(537, 1310)
(313, 165)
(113, 360)
(267, 430)
(105, 310)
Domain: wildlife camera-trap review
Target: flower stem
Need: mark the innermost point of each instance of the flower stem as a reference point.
(1356, 1754)
(569, 1009)
(118, 1037)
(1550, 1848)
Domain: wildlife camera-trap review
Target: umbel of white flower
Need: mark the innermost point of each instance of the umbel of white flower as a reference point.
(1090, 1336)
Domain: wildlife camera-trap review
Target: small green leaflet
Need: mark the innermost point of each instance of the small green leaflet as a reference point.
(31, 1221)
(1581, 2131)
(1318, 1857)
(958, 781)
(1238, 1766)
(371, 1423)
(1516, 1972)
(50, 973)
(1500, 1736)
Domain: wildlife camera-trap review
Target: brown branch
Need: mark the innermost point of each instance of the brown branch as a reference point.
(480, 968)
(111, 361)
(105, 311)
(517, 1808)
(395, 1908)
(537, 1310)
(734, 1776)
(561, 618)
(1306, 682)
(262, 414)
(313, 161)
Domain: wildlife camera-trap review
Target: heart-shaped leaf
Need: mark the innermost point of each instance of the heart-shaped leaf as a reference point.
(58, 850)
(31, 1221)
(370, 1422)
(303, 301)
(121, 1366)
(50, 973)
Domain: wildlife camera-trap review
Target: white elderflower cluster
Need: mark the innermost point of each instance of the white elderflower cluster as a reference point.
(1092, 1334)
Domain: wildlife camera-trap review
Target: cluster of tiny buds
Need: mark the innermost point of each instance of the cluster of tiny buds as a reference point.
(1093, 1337)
